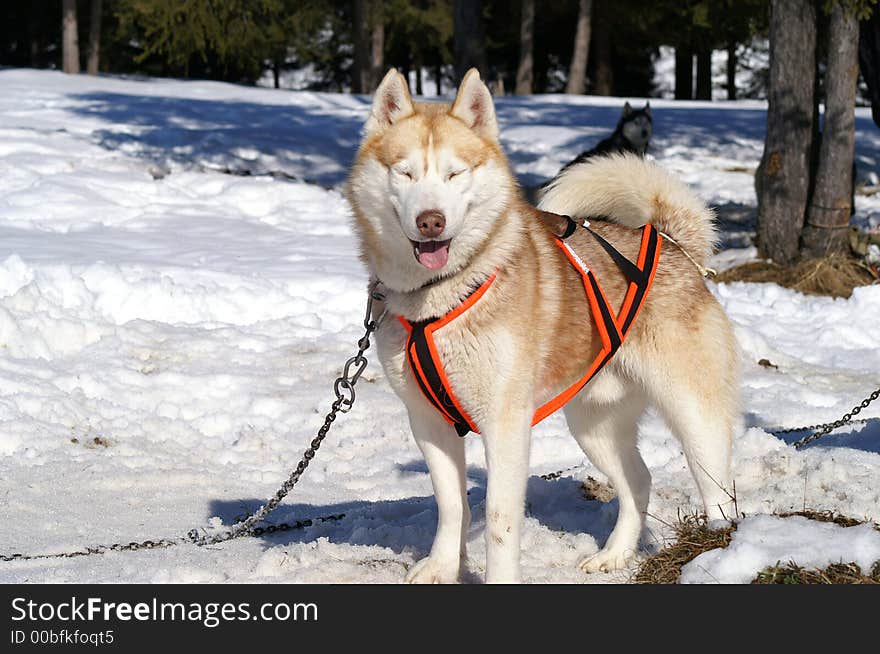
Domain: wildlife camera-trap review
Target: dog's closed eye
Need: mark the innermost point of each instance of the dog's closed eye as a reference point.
(403, 172)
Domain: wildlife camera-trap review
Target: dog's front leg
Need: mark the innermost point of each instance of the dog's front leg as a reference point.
(507, 460)
(443, 450)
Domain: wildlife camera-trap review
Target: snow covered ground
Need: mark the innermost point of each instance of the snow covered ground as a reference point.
(169, 333)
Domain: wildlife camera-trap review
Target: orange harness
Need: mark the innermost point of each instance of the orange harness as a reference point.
(421, 352)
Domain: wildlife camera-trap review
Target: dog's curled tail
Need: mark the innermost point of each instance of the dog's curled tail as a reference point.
(631, 191)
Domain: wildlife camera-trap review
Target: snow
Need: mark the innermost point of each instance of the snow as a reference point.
(753, 61)
(169, 334)
(763, 541)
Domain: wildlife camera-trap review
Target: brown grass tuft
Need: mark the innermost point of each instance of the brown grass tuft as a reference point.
(692, 538)
(835, 275)
(827, 516)
(836, 573)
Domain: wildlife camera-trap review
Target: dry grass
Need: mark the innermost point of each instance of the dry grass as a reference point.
(835, 275)
(693, 537)
(827, 516)
(837, 573)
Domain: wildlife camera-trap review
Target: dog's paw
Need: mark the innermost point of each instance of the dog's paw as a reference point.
(433, 571)
(607, 560)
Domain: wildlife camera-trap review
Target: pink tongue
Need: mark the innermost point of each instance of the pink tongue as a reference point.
(435, 257)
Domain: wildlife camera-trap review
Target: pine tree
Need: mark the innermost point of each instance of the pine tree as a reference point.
(418, 37)
(221, 39)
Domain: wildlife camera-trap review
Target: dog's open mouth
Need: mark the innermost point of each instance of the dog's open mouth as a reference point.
(433, 255)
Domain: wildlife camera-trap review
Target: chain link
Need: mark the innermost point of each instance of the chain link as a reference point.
(826, 428)
(343, 387)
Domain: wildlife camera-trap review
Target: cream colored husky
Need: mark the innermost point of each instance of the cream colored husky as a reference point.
(438, 211)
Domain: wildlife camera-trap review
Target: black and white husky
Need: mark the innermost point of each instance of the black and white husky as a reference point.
(632, 134)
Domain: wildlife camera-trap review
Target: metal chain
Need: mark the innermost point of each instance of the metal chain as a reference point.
(553, 476)
(828, 427)
(343, 387)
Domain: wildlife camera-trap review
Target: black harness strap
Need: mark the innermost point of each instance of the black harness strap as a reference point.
(649, 265)
(639, 275)
(570, 227)
(629, 269)
(607, 316)
(425, 364)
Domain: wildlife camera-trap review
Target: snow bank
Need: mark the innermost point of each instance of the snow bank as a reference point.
(763, 541)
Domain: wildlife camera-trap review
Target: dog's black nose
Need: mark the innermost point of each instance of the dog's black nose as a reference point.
(431, 223)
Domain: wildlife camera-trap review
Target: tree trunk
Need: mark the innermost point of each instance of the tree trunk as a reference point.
(94, 37)
(782, 181)
(360, 73)
(438, 78)
(276, 73)
(731, 71)
(419, 76)
(869, 60)
(577, 72)
(35, 53)
(34, 37)
(377, 44)
(827, 228)
(525, 70)
(704, 74)
(684, 74)
(405, 67)
(70, 38)
(602, 53)
(469, 38)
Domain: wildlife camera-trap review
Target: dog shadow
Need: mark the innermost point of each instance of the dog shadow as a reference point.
(408, 524)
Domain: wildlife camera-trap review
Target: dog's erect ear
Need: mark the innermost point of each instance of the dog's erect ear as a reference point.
(627, 109)
(474, 107)
(391, 103)
(647, 108)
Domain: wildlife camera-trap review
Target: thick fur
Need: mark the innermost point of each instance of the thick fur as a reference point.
(632, 193)
(531, 334)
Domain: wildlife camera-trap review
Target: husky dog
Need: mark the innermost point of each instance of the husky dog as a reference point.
(632, 134)
(438, 213)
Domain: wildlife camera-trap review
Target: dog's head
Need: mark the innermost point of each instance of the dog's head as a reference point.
(637, 125)
(428, 183)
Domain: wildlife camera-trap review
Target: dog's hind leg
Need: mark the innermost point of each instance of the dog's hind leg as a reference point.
(604, 419)
(697, 395)
(444, 453)
(702, 422)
